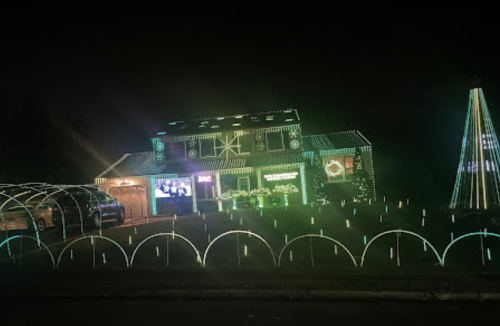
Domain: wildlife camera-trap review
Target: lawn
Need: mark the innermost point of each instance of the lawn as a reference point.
(276, 226)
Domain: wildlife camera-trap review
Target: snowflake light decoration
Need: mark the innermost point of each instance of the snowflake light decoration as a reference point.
(294, 133)
(228, 146)
(260, 146)
(192, 142)
(160, 156)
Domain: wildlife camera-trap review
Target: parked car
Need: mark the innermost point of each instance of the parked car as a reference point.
(94, 208)
(17, 218)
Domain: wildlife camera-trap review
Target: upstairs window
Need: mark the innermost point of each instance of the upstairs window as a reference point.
(207, 147)
(275, 141)
(177, 150)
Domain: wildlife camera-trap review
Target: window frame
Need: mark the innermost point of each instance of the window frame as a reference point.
(199, 147)
(282, 141)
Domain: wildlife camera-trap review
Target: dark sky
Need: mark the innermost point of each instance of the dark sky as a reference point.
(405, 89)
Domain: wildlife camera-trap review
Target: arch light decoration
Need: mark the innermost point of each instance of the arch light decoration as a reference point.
(316, 236)
(61, 188)
(399, 231)
(42, 192)
(27, 210)
(233, 232)
(463, 237)
(93, 237)
(32, 238)
(198, 257)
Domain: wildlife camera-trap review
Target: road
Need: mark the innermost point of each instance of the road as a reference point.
(244, 312)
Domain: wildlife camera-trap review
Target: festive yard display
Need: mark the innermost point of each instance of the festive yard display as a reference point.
(318, 180)
(360, 179)
(285, 191)
(260, 193)
(478, 175)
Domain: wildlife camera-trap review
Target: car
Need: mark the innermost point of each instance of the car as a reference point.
(17, 218)
(95, 207)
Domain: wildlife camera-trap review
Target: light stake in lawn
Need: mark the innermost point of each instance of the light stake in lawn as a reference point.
(168, 253)
(231, 216)
(203, 216)
(423, 221)
(485, 230)
(312, 220)
(261, 212)
(275, 224)
(71, 254)
(335, 246)
(227, 211)
(246, 250)
(321, 232)
(364, 240)
(129, 239)
(286, 239)
(157, 251)
(380, 218)
(205, 228)
(369, 201)
(312, 253)
(173, 234)
(104, 258)
(489, 253)
(320, 209)
(397, 248)
(451, 236)
(400, 204)
(135, 230)
(198, 213)
(425, 247)
(175, 216)
(386, 208)
(482, 247)
(347, 223)
(453, 218)
(291, 256)
(423, 212)
(354, 212)
(241, 220)
(391, 253)
(208, 238)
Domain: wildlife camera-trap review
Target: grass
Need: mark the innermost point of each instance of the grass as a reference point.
(310, 255)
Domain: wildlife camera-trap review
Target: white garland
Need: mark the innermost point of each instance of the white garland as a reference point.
(285, 190)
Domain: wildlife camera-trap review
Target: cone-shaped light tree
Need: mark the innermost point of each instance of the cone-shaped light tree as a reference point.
(477, 182)
(361, 191)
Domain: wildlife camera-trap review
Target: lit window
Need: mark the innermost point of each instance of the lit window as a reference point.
(288, 120)
(214, 126)
(236, 124)
(238, 116)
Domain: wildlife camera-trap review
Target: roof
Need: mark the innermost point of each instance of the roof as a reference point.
(336, 140)
(142, 164)
(239, 121)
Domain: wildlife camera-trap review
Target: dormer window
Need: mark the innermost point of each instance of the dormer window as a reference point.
(270, 118)
(288, 120)
(236, 124)
(238, 116)
(215, 126)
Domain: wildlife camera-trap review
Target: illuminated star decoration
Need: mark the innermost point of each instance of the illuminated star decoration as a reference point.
(227, 146)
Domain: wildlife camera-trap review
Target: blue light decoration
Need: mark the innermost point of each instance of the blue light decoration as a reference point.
(386, 208)
(489, 253)
(364, 240)
(354, 212)
(477, 181)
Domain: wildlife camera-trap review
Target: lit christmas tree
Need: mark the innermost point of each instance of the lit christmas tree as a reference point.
(318, 180)
(360, 179)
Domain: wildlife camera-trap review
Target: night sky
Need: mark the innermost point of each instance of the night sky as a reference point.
(405, 89)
